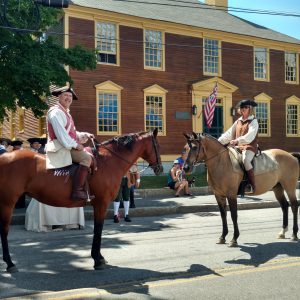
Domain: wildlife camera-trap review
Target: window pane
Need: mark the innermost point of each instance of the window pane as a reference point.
(262, 117)
(292, 119)
(211, 56)
(154, 113)
(260, 67)
(153, 48)
(290, 67)
(106, 42)
(108, 112)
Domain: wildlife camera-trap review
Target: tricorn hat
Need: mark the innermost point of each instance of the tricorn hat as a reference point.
(64, 89)
(34, 140)
(16, 143)
(247, 102)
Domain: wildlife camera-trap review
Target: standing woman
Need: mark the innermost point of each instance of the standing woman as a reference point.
(243, 135)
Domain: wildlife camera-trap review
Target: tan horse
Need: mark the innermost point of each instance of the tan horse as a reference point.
(24, 171)
(225, 183)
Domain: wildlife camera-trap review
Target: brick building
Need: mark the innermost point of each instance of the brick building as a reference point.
(158, 61)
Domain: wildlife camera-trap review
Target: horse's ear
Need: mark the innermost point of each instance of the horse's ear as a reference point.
(188, 136)
(155, 131)
(195, 135)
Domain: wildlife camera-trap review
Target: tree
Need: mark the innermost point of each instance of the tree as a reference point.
(30, 63)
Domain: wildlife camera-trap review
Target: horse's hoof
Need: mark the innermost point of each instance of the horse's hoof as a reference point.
(12, 269)
(221, 241)
(233, 244)
(100, 264)
(294, 238)
(281, 236)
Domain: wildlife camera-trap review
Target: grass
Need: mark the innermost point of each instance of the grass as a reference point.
(157, 182)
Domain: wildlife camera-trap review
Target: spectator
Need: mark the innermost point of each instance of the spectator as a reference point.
(123, 194)
(135, 180)
(4, 143)
(34, 144)
(17, 145)
(176, 182)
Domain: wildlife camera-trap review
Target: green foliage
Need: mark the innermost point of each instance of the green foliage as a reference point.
(29, 63)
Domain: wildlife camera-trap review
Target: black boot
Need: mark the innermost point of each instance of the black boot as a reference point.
(131, 201)
(78, 191)
(250, 187)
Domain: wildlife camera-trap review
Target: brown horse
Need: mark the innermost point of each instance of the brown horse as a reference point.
(225, 183)
(24, 172)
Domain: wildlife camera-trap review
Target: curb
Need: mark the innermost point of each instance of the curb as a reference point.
(19, 218)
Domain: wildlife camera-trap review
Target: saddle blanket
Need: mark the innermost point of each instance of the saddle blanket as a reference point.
(263, 163)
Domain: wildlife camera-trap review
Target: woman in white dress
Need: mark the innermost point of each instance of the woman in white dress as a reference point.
(41, 217)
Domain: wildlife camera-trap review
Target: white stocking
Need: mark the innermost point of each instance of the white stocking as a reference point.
(126, 207)
(116, 208)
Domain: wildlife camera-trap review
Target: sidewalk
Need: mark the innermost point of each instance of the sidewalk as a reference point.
(162, 202)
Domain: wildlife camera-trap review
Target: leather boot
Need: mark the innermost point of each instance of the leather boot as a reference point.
(78, 190)
(250, 187)
(131, 198)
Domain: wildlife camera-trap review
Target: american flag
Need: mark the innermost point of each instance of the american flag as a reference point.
(210, 105)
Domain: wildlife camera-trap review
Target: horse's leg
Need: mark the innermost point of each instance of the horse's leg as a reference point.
(279, 194)
(232, 201)
(4, 228)
(222, 207)
(294, 206)
(99, 260)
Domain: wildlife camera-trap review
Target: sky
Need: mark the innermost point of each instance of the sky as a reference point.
(287, 25)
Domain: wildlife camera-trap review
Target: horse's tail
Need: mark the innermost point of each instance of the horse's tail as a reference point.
(297, 155)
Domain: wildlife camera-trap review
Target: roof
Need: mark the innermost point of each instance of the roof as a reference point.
(191, 13)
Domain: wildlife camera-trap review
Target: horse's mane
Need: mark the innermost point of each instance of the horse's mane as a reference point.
(126, 140)
(210, 137)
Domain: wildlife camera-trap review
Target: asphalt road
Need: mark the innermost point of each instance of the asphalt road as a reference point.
(165, 257)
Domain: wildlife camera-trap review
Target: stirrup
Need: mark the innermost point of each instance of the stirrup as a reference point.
(249, 189)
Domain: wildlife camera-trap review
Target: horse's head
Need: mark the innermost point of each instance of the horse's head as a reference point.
(196, 153)
(152, 154)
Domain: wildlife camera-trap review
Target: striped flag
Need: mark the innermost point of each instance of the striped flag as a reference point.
(210, 105)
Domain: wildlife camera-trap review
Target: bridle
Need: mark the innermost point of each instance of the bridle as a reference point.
(198, 162)
(157, 166)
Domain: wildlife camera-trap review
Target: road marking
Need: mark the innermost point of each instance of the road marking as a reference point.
(168, 280)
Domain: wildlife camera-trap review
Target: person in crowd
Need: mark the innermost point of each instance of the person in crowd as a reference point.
(4, 143)
(64, 143)
(34, 144)
(123, 194)
(135, 180)
(40, 217)
(17, 145)
(176, 182)
(43, 142)
(243, 135)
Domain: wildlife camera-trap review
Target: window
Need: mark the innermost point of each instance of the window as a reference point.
(291, 67)
(106, 42)
(108, 108)
(261, 64)
(262, 113)
(211, 57)
(155, 108)
(293, 116)
(153, 44)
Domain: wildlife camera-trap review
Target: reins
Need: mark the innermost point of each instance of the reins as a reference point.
(154, 143)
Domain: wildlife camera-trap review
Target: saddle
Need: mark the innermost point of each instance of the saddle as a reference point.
(70, 171)
(263, 162)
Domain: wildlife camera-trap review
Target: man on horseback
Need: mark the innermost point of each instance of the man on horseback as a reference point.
(243, 135)
(65, 143)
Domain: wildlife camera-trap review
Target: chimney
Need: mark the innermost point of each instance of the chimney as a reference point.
(221, 4)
